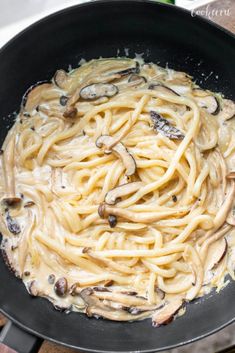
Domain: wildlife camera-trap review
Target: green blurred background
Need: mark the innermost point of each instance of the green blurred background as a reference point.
(167, 1)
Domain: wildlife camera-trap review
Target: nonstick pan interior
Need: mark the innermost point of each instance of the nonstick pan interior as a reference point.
(164, 35)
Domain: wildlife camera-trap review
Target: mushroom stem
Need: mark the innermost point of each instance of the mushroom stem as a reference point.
(212, 239)
(143, 217)
(222, 213)
(166, 314)
(113, 195)
(120, 150)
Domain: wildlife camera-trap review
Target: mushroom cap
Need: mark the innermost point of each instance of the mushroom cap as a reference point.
(98, 90)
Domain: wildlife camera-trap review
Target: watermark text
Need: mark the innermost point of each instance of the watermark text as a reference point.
(210, 13)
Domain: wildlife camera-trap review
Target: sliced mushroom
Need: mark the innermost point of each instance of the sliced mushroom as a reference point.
(136, 310)
(112, 221)
(166, 314)
(160, 293)
(216, 253)
(162, 89)
(75, 289)
(51, 279)
(63, 100)
(231, 216)
(98, 90)
(63, 309)
(33, 95)
(130, 300)
(101, 289)
(71, 112)
(205, 100)
(60, 78)
(29, 204)
(114, 195)
(120, 150)
(180, 89)
(12, 225)
(136, 80)
(61, 287)
(11, 200)
(108, 283)
(163, 126)
(106, 142)
(105, 210)
(98, 306)
(90, 300)
(227, 110)
(114, 315)
(127, 159)
(32, 288)
(131, 70)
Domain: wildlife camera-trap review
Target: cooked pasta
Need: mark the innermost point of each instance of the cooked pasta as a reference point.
(117, 190)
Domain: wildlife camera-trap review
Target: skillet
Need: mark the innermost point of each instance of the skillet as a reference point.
(166, 35)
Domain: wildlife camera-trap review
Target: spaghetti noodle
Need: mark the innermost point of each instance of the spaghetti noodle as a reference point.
(117, 183)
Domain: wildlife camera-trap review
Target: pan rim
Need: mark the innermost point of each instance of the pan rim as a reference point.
(177, 10)
(44, 337)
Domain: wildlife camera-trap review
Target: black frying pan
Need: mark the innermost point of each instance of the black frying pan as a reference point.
(166, 35)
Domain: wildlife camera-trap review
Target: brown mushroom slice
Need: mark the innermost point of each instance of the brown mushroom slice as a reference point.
(98, 90)
(144, 217)
(12, 225)
(166, 314)
(231, 216)
(125, 299)
(134, 310)
(227, 110)
(129, 71)
(158, 87)
(70, 113)
(112, 221)
(180, 89)
(61, 287)
(11, 200)
(115, 194)
(216, 253)
(136, 80)
(33, 288)
(115, 315)
(105, 141)
(34, 95)
(60, 78)
(93, 305)
(163, 126)
(127, 159)
(120, 150)
(161, 294)
(207, 101)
